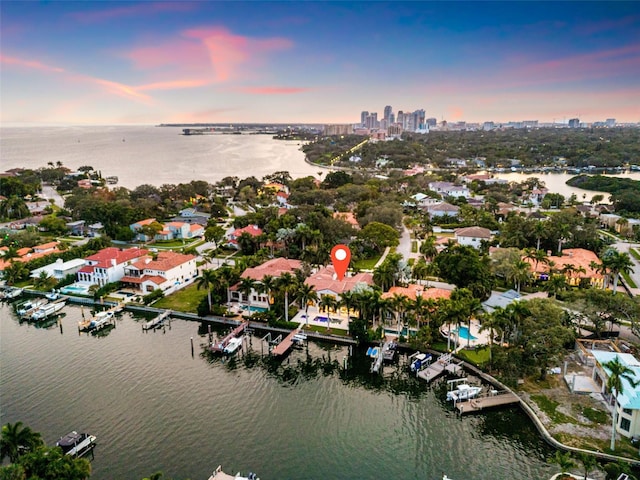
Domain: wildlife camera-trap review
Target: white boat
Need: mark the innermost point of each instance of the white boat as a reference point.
(47, 310)
(52, 295)
(76, 444)
(299, 338)
(12, 293)
(464, 391)
(234, 344)
(27, 308)
(100, 319)
(420, 361)
(218, 474)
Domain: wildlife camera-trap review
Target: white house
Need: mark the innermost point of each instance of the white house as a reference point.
(59, 269)
(448, 189)
(472, 236)
(628, 405)
(107, 265)
(169, 272)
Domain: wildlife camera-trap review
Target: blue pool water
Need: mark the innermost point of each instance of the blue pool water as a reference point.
(254, 309)
(75, 289)
(464, 333)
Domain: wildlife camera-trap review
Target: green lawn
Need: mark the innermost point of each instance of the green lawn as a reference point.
(185, 300)
(628, 280)
(634, 252)
(367, 263)
(477, 357)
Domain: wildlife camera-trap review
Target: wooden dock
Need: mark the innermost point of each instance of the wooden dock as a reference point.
(219, 345)
(157, 322)
(436, 369)
(284, 346)
(84, 325)
(494, 399)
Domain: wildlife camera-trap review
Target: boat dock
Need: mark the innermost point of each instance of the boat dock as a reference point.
(284, 346)
(100, 319)
(437, 368)
(219, 345)
(378, 356)
(493, 399)
(156, 322)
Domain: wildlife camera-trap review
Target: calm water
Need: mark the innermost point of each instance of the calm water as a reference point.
(148, 154)
(154, 406)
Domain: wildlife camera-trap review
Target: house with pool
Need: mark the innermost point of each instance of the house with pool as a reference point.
(258, 300)
(628, 404)
(412, 292)
(105, 266)
(167, 271)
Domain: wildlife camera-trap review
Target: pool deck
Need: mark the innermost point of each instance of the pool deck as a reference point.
(481, 338)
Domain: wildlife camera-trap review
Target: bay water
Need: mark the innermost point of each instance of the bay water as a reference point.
(154, 406)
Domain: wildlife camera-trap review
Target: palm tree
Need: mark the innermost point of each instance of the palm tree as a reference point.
(537, 256)
(15, 272)
(246, 286)
(617, 263)
(328, 303)
(589, 463)
(17, 440)
(428, 248)
(346, 299)
(307, 293)
(399, 304)
(286, 283)
(617, 372)
(267, 285)
(563, 460)
(539, 229)
(207, 280)
(519, 272)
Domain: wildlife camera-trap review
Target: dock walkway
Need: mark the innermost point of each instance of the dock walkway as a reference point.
(284, 346)
(220, 345)
(156, 322)
(436, 369)
(492, 400)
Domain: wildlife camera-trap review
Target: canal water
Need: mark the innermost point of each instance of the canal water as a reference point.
(155, 406)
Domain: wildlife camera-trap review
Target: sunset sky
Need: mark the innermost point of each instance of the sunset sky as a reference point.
(317, 62)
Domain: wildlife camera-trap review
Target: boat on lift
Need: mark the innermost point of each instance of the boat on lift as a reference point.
(464, 391)
(76, 444)
(233, 345)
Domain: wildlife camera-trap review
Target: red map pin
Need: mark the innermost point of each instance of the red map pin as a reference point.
(340, 256)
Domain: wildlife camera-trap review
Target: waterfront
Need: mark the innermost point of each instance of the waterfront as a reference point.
(153, 155)
(154, 406)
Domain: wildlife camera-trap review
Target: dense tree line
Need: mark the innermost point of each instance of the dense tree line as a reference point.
(625, 192)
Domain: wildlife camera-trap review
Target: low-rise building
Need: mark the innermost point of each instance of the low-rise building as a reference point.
(448, 189)
(472, 236)
(574, 263)
(59, 269)
(169, 271)
(107, 265)
(232, 238)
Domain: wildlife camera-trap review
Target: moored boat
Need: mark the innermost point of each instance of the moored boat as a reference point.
(100, 319)
(232, 345)
(12, 293)
(218, 474)
(25, 309)
(464, 391)
(52, 295)
(420, 361)
(76, 444)
(47, 310)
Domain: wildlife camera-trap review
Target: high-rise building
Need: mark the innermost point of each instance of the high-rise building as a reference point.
(372, 120)
(611, 122)
(388, 112)
(363, 118)
(432, 122)
(574, 123)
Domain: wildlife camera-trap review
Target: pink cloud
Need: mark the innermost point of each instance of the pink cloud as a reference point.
(173, 84)
(211, 54)
(31, 64)
(145, 8)
(272, 90)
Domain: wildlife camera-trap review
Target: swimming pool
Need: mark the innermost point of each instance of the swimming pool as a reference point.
(79, 288)
(254, 309)
(464, 333)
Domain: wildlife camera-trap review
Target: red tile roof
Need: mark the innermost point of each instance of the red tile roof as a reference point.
(411, 292)
(324, 280)
(274, 267)
(253, 230)
(164, 261)
(104, 256)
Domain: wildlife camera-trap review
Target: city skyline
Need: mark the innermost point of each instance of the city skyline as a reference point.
(317, 62)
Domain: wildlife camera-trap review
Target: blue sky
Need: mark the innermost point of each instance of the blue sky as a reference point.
(97, 62)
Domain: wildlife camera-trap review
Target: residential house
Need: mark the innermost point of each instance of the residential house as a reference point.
(275, 268)
(232, 238)
(107, 265)
(500, 300)
(423, 201)
(325, 282)
(96, 229)
(59, 269)
(536, 196)
(137, 229)
(27, 254)
(472, 236)
(77, 227)
(448, 189)
(413, 291)
(628, 401)
(575, 262)
(441, 209)
(191, 215)
(348, 217)
(169, 271)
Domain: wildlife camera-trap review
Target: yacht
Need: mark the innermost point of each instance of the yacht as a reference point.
(76, 444)
(100, 319)
(464, 391)
(234, 344)
(12, 293)
(47, 310)
(52, 295)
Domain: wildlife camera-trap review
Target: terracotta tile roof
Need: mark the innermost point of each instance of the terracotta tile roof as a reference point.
(348, 217)
(46, 246)
(578, 257)
(195, 227)
(411, 292)
(104, 256)
(252, 230)
(164, 262)
(324, 280)
(274, 267)
(147, 221)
